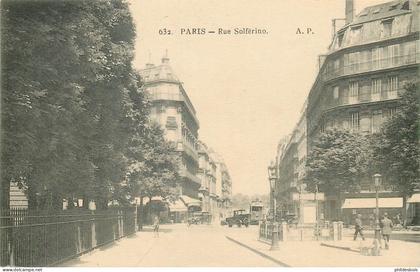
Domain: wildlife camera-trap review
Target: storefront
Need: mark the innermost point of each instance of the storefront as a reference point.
(366, 207)
(178, 212)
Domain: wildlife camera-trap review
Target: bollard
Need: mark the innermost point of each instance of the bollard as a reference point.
(335, 231)
(340, 231)
(283, 231)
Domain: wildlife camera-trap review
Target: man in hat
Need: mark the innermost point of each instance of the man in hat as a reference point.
(358, 227)
(386, 229)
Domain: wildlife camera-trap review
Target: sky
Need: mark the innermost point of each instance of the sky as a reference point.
(248, 90)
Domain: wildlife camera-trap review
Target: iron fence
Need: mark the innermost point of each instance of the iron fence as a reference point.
(307, 232)
(30, 238)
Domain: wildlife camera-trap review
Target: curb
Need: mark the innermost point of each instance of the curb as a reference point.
(339, 247)
(280, 263)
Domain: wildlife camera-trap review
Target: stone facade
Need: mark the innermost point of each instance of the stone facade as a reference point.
(204, 174)
(173, 110)
(359, 82)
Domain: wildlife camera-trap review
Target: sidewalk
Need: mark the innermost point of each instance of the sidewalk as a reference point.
(311, 253)
(127, 249)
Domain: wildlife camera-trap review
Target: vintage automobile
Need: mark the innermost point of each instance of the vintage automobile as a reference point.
(194, 218)
(239, 218)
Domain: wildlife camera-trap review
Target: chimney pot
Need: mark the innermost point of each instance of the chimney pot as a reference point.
(349, 11)
(165, 60)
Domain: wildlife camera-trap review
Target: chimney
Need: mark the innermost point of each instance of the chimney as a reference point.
(165, 59)
(349, 11)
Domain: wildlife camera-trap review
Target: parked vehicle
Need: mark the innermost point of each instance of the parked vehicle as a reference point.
(239, 218)
(194, 218)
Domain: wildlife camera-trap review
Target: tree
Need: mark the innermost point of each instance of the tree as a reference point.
(66, 72)
(337, 163)
(396, 153)
(153, 165)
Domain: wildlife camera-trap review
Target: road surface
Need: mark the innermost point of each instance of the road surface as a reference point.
(177, 245)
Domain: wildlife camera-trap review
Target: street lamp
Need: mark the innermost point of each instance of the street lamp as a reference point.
(377, 178)
(272, 177)
(301, 206)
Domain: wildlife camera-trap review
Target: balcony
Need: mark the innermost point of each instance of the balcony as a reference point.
(179, 96)
(184, 172)
(365, 96)
(184, 146)
(373, 65)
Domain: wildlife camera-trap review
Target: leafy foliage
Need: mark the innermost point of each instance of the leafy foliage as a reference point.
(72, 105)
(396, 151)
(337, 162)
(153, 169)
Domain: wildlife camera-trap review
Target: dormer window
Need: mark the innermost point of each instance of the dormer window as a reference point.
(356, 33)
(376, 11)
(365, 13)
(387, 27)
(393, 6)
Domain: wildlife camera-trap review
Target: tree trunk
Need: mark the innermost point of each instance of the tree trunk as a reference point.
(140, 214)
(339, 210)
(32, 198)
(404, 215)
(5, 194)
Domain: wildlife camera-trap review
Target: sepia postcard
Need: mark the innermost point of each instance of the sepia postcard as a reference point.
(144, 134)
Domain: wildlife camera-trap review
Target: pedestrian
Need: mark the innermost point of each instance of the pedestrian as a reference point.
(156, 226)
(358, 227)
(398, 219)
(386, 229)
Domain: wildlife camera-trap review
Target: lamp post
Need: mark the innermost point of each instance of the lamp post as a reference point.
(301, 204)
(272, 177)
(377, 178)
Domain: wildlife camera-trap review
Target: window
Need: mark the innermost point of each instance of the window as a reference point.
(391, 112)
(336, 65)
(376, 120)
(356, 34)
(353, 91)
(353, 61)
(409, 52)
(392, 84)
(171, 123)
(387, 28)
(375, 58)
(335, 92)
(383, 56)
(394, 52)
(354, 121)
(376, 86)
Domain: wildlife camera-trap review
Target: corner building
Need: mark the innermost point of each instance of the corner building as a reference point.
(173, 110)
(360, 80)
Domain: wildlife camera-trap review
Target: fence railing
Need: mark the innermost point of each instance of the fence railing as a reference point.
(307, 232)
(34, 239)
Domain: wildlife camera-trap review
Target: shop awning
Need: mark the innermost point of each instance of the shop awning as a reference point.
(189, 201)
(370, 203)
(178, 206)
(415, 198)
